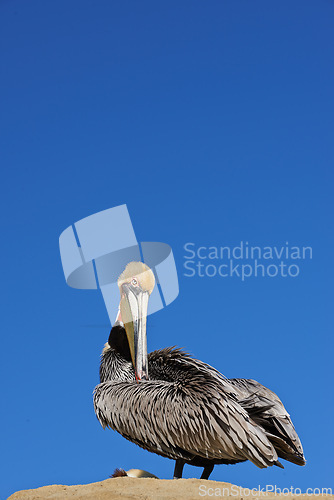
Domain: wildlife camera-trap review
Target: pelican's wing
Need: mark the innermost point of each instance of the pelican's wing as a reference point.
(191, 416)
(262, 405)
(266, 409)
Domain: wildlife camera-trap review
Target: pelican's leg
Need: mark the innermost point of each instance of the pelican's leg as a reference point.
(207, 471)
(179, 464)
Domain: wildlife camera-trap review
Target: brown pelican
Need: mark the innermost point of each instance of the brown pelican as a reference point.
(179, 407)
(138, 473)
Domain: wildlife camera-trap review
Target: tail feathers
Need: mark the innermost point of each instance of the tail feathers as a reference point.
(266, 409)
(285, 451)
(118, 473)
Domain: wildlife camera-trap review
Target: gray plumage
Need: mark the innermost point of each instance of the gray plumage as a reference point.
(188, 411)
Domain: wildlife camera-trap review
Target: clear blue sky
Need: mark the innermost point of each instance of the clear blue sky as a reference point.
(213, 122)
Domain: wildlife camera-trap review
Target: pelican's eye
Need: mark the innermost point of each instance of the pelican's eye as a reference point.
(134, 282)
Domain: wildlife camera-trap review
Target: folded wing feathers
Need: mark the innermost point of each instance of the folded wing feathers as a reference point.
(267, 410)
(200, 418)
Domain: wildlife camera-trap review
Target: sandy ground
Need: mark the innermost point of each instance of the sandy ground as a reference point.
(126, 488)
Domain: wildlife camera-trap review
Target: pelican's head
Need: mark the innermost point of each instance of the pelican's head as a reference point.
(136, 284)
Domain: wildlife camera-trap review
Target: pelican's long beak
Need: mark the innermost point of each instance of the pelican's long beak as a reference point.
(133, 306)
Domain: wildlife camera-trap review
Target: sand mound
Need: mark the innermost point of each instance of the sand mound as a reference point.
(126, 488)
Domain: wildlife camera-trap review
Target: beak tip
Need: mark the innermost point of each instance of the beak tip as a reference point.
(141, 375)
